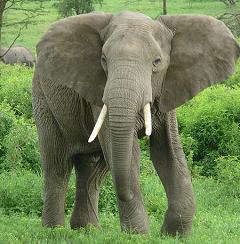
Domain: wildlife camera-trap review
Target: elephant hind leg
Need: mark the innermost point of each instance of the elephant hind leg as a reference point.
(55, 161)
(55, 187)
(90, 171)
(56, 171)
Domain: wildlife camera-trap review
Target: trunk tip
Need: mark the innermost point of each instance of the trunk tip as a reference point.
(148, 131)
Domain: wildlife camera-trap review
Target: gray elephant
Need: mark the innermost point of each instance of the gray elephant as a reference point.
(17, 55)
(121, 77)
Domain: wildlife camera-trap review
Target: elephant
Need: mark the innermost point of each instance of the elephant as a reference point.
(17, 55)
(103, 81)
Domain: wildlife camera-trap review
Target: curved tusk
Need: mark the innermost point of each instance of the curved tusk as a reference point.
(147, 119)
(98, 124)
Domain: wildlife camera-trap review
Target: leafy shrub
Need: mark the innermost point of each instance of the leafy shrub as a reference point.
(212, 121)
(228, 173)
(18, 142)
(189, 147)
(18, 137)
(20, 192)
(231, 20)
(108, 200)
(21, 147)
(15, 88)
(7, 118)
(75, 7)
(234, 79)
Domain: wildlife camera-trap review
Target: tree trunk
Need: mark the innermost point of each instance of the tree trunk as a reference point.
(77, 7)
(2, 8)
(164, 7)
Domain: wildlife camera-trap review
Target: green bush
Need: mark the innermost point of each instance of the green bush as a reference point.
(18, 137)
(234, 79)
(20, 192)
(228, 173)
(210, 127)
(108, 200)
(7, 118)
(15, 88)
(18, 142)
(21, 147)
(75, 7)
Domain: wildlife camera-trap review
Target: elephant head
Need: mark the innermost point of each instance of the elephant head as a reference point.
(127, 61)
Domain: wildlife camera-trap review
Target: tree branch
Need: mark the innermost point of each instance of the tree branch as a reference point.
(8, 7)
(13, 42)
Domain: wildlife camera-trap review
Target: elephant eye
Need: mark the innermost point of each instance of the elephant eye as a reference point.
(103, 59)
(156, 61)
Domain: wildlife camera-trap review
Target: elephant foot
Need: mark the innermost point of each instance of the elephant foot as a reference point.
(77, 222)
(133, 217)
(176, 224)
(82, 224)
(51, 222)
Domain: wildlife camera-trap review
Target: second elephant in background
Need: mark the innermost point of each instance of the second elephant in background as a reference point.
(17, 55)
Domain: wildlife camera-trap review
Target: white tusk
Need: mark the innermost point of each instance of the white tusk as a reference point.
(147, 119)
(98, 124)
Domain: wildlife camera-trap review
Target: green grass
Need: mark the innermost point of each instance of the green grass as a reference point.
(217, 221)
(154, 8)
(33, 33)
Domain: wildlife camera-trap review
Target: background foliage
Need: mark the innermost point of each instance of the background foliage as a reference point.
(73, 7)
(210, 127)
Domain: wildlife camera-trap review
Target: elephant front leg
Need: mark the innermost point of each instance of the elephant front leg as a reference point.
(90, 171)
(55, 161)
(169, 161)
(133, 216)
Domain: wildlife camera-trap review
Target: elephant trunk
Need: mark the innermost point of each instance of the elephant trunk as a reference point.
(127, 91)
(121, 122)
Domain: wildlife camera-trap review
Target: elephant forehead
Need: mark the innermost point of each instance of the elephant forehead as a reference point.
(131, 15)
(130, 23)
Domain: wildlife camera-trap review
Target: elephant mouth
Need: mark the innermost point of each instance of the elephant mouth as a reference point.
(103, 113)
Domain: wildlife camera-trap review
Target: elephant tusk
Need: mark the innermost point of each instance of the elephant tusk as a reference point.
(147, 119)
(98, 124)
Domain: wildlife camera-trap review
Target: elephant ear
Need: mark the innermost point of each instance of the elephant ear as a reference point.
(203, 52)
(70, 55)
